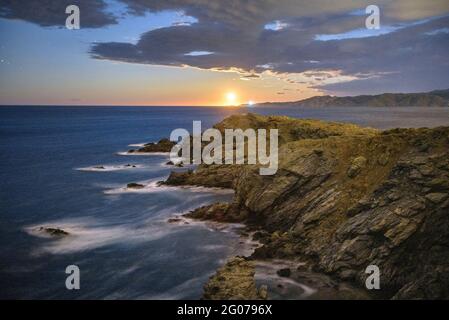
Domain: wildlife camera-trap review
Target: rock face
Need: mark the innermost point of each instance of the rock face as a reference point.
(220, 212)
(220, 176)
(234, 281)
(164, 145)
(345, 198)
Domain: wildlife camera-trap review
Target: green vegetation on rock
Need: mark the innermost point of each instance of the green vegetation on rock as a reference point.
(234, 281)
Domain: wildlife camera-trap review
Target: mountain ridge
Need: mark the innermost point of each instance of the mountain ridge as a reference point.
(435, 98)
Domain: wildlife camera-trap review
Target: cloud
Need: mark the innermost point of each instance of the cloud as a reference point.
(251, 76)
(404, 61)
(254, 37)
(261, 12)
(236, 33)
(51, 13)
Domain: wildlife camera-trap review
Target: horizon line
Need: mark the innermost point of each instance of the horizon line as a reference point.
(117, 105)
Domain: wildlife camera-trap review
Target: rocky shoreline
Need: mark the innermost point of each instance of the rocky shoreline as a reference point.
(344, 197)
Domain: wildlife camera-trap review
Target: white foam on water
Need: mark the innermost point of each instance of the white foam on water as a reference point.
(266, 273)
(137, 145)
(127, 153)
(110, 168)
(151, 187)
(154, 186)
(88, 233)
(244, 246)
(213, 247)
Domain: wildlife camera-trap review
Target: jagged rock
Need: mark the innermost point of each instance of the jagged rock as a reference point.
(438, 184)
(178, 178)
(220, 176)
(436, 197)
(261, 236)
(383, 159)
(234, 281)
(350, 205)
(263, 292)
(285, 272)
(220, 212)
(164, 145)
(356, 166)
(429, 286)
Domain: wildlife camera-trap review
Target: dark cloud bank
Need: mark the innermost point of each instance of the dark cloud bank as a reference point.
(47, 13)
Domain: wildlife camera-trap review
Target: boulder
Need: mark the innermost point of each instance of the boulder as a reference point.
(285, 272)
(234, 281)
(163, 145)
(357, 165)
(134, 185)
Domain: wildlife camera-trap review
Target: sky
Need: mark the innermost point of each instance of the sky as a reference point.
(215, 53)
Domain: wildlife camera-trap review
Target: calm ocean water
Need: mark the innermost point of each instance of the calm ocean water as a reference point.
(123, 244)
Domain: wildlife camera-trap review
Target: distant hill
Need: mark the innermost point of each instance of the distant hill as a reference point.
(437, 98)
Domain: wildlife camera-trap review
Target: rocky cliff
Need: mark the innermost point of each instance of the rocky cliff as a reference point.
(346, 197)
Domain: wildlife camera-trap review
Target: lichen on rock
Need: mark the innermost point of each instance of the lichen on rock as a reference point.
(234, 281)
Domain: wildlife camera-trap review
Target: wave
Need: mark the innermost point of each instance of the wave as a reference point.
(109, 168)
(281, 287)
(245, 245)
(154, 186)
(151, 187)
(127, 153)
(88, 233)
(137, 145)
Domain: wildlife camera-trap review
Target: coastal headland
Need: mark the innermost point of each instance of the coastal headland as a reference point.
(344, 197)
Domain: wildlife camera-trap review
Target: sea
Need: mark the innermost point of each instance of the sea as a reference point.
(67, 167)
